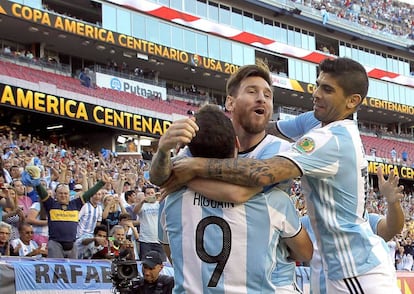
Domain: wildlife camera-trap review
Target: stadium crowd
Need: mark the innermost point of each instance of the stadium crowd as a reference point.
(115, 185)
(388, 16)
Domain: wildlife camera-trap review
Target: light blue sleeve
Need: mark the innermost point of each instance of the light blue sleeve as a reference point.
(297, 127)
(374, 220)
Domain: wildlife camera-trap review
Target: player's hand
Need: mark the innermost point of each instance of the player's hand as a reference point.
(174, 183)
(390, 188)
(181, 132)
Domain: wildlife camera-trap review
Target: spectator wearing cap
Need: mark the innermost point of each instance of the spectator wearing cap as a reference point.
(154, 282)
(77, 189)
(147, 209)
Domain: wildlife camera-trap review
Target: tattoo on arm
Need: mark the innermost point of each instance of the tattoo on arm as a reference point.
(251, 172)
(161, 167)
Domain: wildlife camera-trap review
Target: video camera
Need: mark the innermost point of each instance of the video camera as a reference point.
(125, 276)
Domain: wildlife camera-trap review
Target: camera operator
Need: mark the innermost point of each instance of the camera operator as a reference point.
(154, 283)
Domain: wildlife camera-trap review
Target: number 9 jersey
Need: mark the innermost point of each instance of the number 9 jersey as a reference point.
(221, 247)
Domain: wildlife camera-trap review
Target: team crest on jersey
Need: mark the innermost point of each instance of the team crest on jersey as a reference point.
(305, 145)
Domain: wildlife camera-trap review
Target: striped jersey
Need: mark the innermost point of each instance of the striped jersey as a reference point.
(220, 247)
(317, 272)
(284, 273)
(334, 181)
(89, 216)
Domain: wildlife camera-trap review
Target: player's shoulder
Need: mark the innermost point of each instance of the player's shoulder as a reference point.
(277, 197)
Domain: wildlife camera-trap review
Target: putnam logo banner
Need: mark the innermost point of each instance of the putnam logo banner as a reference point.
(25, 99)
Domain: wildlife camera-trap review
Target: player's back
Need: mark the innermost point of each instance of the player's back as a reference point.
(220, 247)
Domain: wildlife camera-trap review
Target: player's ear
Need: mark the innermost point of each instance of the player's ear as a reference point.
(229, 103)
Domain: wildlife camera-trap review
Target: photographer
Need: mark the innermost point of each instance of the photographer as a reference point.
(127, 279)
(154, 282)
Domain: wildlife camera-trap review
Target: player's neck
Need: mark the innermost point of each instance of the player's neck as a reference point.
(248, 141)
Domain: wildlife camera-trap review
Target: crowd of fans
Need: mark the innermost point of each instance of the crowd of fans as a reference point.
(388, 16)
(113, 189)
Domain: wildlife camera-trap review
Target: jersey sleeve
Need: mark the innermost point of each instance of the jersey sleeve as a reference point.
(374, 220)
(316, 154)
(284, 216)
(297, 127)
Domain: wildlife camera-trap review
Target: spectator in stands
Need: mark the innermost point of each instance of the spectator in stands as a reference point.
(130, 199)
(154, 282)
(4, 173)
(90, 214)
(119, 242)
(403, 260)
(63, 218)
(393, 154)
(325, 15)
(95, 247)
(404, 156)
(23, 201)
(24, 245)
(13, 214)
(131, 230)
(85, 78)
(112, 208)
(147, 209)
(5, 232)
(7, 50)
(37, 217)
(373, 151)
(15, 172)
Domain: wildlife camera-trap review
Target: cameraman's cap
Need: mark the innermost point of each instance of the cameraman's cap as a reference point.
(151, 259)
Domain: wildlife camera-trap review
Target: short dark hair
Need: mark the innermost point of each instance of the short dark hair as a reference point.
(124, 215)
(251, 70)
(350, 75)
(99, 228)
(128, 193)
(216, 137)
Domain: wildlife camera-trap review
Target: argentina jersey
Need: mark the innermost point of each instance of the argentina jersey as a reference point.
(284, 273)
(221, 247)
(267, 148)
(334, 170)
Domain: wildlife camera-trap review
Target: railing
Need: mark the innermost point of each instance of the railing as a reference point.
(44, 65)
(314, 13)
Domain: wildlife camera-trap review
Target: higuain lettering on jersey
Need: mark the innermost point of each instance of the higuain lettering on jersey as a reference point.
(200, 200)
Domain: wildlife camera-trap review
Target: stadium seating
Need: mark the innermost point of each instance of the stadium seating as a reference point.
(72, 84)
(383, 146)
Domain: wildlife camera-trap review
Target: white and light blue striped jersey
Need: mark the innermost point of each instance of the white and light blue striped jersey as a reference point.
(317, 272)
(334, 181)
(267, 148)
(220, 247)
(284, 273)
(298, 126)
(88, 217)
